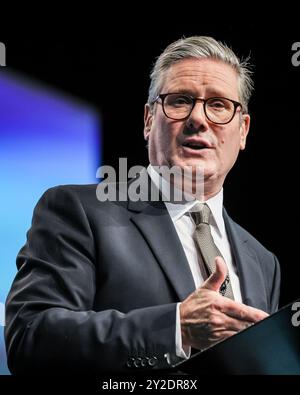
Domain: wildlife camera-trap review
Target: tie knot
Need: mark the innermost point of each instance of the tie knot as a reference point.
(201, 214)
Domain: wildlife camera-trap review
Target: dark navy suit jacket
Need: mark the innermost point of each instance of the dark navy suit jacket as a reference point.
(97, 284)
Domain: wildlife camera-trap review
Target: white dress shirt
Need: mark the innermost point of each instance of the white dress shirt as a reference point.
(185, 228)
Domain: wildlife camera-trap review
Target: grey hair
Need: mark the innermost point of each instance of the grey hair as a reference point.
(201, 47)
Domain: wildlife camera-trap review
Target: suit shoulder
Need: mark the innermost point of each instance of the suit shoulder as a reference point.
(66, 197)
(84, 196)
(76, 189)
(71, 190)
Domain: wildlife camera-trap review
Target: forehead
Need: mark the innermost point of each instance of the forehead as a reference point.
(201, 76)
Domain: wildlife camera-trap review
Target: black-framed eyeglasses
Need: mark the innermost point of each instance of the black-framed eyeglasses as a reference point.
(178, 106)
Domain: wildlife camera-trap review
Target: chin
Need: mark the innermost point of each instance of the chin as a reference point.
(192, 163)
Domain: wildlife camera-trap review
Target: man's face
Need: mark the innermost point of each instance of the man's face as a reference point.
(168, 138)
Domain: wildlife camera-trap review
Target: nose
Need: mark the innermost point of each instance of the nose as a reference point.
(197, 121)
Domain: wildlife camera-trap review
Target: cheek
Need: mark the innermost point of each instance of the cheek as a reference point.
(165, 135)
(229, 140)
(161, 137)
(229, 147)
(223, 140)
(219, 135)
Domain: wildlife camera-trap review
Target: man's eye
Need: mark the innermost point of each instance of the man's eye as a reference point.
(179, 100)
(216, 104)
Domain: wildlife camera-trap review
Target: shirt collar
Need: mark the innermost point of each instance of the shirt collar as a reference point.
(178, 209)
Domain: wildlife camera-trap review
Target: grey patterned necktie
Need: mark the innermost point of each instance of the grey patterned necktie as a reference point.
(202, 216)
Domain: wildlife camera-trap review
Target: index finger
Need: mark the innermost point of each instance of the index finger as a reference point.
(243, 312)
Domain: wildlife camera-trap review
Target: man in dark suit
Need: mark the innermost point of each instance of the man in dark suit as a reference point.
(125, 284)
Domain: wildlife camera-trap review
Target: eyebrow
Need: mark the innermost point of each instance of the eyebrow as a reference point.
(209, 92)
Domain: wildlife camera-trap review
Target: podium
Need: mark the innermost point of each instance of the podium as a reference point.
(270, 347)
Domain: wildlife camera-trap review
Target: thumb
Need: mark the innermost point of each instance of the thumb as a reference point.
(216, 279)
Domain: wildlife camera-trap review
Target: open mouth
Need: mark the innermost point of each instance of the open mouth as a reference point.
(195, 146)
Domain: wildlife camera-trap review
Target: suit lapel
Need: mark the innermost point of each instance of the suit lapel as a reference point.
(154, 223)
(248, 267)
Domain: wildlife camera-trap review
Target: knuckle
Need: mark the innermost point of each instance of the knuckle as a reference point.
(214, 305)
(242, 314)
(210, 317)
(215, 321)
(216, 336)
(219, 335)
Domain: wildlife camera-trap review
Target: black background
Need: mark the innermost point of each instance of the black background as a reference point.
(111, 71)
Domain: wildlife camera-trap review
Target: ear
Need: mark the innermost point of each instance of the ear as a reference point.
(148, 117)
(244, 129)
